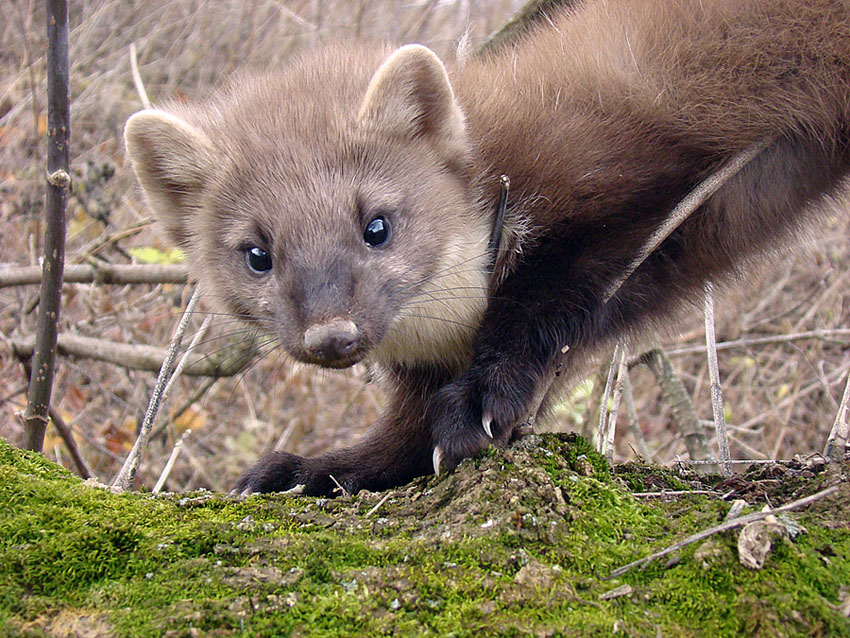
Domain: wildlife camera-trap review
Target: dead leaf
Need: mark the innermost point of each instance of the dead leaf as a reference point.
(756, 540)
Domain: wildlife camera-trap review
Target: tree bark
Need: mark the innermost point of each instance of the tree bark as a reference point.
(58, 181)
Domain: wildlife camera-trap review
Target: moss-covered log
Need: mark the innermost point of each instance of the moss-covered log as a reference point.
(516, 543)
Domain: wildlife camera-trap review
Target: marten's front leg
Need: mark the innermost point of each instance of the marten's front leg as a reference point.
(548, 309)
(395, 451)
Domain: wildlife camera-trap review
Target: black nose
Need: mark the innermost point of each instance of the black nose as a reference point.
(332, 342)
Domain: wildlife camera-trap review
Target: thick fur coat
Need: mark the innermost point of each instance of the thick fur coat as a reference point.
(345, 203)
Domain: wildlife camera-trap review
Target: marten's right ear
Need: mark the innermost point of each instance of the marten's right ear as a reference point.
(172, 160)
(410, 95)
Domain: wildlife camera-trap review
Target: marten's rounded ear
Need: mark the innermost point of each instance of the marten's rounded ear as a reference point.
(172, 160)
(410, 94)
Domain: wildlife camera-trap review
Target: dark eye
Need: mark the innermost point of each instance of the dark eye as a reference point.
(258, 260)
(377, 232)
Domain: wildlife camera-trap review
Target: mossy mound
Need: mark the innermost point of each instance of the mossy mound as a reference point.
(516, 543)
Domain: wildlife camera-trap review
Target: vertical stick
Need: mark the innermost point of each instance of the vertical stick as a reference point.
(169, 465)
(622, 375)
(58, 181)
(127, 474)
(714, 376)
(675, 396)
(603, 404)
(634, 422)
(836, 443)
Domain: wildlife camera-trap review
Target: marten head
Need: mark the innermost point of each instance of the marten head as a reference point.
(330, 203)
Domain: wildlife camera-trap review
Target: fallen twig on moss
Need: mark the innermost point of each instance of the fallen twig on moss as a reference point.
(723, 527)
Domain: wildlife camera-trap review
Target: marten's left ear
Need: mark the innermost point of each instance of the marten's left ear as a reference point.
(410, 94)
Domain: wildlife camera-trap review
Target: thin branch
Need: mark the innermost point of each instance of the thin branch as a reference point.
(187, 403)
(634, 422)
(139, 357)
(714, 376)
(58, 182)
(746, 342)
(622, 374)
(127, 475)
(684, 208)
(68, 438)
(181, 365)
(666, 493)
(184, 360)
(741, 461)
(723, 527)
(675, 396)
(170, 463)
(529, 14)
(378, 504)
(105, 273)
(836, 442)
(603, 403)
(137, 77)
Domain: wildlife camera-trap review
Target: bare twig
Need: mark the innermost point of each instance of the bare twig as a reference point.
(339, 488)
(836, 442)
(58, 181)
(101, 273)
(111, 239)
(743, 461)
(634, 422)
(684, 208)
(622, 374)
(603, 403)
(178, 412)
(140, 357)
(666, 493)
(68, 438)
(181, 365)
(170, 463)
(127, 475)
(137, 77)
(723, 527)
(714, 375)
(378, 505)
(746, 342)
(674, 395)
(530, 13)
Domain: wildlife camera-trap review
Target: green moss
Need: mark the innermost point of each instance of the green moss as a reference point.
(515, 544)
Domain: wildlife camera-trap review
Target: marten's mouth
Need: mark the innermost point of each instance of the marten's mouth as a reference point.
(335, 364)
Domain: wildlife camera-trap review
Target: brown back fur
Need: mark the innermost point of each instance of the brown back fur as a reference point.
(603, 120)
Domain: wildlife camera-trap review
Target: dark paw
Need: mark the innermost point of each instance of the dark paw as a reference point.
(475, 411)
(320, 476)
(275, 472)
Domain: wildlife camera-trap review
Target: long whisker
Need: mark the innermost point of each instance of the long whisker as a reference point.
(435, 318)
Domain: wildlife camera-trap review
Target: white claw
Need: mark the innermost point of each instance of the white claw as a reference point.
(437, 458)
(246, 492)
(486, 422)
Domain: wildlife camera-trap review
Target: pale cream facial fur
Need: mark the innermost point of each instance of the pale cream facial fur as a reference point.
(438, 325)
(408, 107)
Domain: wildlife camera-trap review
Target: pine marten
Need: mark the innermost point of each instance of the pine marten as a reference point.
(345, 203)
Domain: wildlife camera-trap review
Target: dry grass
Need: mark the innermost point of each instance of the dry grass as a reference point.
(781, 397)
